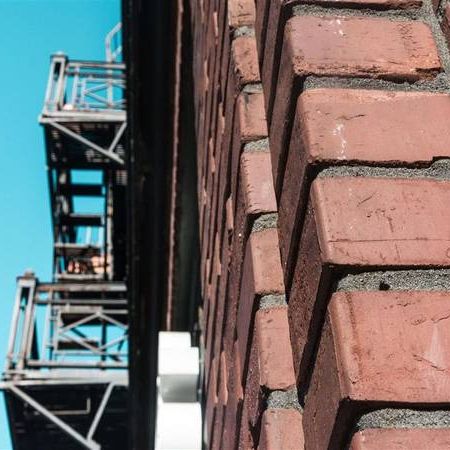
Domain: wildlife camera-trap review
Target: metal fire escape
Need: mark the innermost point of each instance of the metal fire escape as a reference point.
(66, 378)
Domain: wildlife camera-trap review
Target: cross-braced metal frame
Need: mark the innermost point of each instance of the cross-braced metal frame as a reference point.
(84, 121)
(66, 377)
(71, 335)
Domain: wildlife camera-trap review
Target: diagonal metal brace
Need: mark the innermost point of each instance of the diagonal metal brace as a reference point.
(87, 443)
(108, 153)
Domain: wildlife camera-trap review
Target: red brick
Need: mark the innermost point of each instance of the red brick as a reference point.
(336, 125)
(245, 61)
(377, 348)
(251, 116)
(225, 155)
(255, 197)
(216, 216)
(362, 223)
(215, 443)
(250, 125)
(253, 398)
(281, 429)
(234, 404)
(345, 47)
(270, 366)
(238, 78)
(211, 93)
(274, 349)
(229, 214)
(401, 439)
(381, 222)
(261, 276)
(279, 13)
(222, 296)
(262, 11)
(212, 324)
(241, 13)
(206, 223)
(225, 53)
(245, 441)
(211, 401)
(222, 396)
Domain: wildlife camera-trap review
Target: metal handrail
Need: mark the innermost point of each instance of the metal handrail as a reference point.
(27, 352)
(87, 86)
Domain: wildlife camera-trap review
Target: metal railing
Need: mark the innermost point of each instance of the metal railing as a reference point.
(60, 326)
(85, 86)
(113, 44)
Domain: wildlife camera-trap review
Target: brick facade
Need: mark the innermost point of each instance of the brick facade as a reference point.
(323, 146)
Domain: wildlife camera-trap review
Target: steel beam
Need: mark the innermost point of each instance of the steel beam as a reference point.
(85, 442)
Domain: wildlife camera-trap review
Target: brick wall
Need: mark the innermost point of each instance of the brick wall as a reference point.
(323, 146)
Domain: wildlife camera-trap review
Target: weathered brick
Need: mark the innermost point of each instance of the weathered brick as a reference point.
(212, 324)
(211, 402)
(255, 197)
(245, 61)
(222, 399)
(241, 13)
(261, 276)
(276, 370)
(377, 348)
(234, 404)
(250, 125)
(245, 441)
(222, 296)
(253, 398)
(401, 439)
(240, 74)
(262, 10)
(333, 126)
(345, 47)
(281, 429)
(272, 30)
(270, 366)
(362, 223)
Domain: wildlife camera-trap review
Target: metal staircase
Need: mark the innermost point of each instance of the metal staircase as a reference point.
(66, 376)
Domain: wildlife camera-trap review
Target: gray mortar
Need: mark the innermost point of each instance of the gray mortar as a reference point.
(283, 400)
(272, 301)
(404, 418)
(438, 170)
(244, 31)
(265, 221)
(261, 145)
(329, 11)
(440, 83)
(441, 10)
(401, 280)
(252, 88)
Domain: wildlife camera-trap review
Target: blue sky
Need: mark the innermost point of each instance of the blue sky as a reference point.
(31, 31)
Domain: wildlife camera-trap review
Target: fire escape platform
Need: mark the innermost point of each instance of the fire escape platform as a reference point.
(75, 405)
(66, 375)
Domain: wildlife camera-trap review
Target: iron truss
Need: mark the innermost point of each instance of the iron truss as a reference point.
(66, 374)
(67, 359)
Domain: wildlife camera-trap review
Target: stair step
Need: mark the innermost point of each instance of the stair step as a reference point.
(89, 190)
(66, 344)
(88, 220)
(66, 249)
(79, 276)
